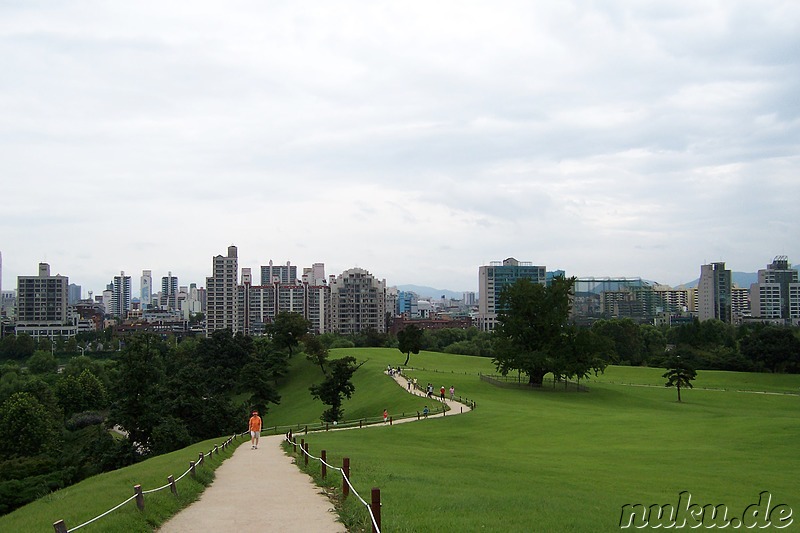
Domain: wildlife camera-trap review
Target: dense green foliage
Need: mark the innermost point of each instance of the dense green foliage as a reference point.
(533, 335)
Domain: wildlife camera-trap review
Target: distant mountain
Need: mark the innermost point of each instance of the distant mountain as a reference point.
(430, 292)
(740, 279)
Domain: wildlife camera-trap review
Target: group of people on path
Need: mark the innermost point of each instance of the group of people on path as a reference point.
(429, 391)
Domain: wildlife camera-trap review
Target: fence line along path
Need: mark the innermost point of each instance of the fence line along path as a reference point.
(258, 490)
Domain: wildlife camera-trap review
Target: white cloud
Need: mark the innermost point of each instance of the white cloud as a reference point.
(415, 140)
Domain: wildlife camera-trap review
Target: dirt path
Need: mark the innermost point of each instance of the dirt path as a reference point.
(258, 490)
(263, 490)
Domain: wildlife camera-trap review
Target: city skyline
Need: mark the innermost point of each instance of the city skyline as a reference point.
(416, 141)
(135, 276)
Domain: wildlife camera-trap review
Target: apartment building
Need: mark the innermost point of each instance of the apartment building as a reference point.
(495, 277)
(221, 292)
(714, 293)
(42, 305)
(776, 295)
(358, 302)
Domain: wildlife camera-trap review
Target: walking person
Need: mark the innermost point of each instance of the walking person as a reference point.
(425, 412)
(452, 392)
(408, 385)
(441, 393)
(385, 416)
(255, 430)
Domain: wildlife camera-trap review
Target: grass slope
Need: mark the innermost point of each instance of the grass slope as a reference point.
(523, 461)
(92, 497)
(556, 461)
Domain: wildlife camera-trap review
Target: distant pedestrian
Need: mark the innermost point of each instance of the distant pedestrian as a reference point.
(452, 392)
(441, 393)
(425, 412)
(385, 416)
(255, 429)
(408, 385)
(429, 390)
(415, 383)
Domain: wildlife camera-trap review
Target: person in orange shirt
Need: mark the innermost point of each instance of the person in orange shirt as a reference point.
(255, 429)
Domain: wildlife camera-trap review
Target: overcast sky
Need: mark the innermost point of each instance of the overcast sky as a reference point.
(417, 140)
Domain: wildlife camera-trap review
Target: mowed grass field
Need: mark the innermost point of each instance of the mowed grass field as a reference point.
(524, 460)
(551, 460)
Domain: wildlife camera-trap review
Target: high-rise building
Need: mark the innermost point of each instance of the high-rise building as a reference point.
(358, 302)
(221, 293)
(714, 293)
(42, 309)
(120, 296)
(169, 292)
(776, 295)
(495, 277)
(73, 294)
(283, 274)
(146, 289)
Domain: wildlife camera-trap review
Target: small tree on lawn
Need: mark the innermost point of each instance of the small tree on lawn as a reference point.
(679, 374)
(337, 385)
(409, 340)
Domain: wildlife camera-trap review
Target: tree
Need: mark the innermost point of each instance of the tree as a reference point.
(26, 428)
(138, 390)
(42, 362)
(530, 325)
(337, 385)
(774, 348)
(679, 374)
(316, 352)
(287, 329)
(409, 340)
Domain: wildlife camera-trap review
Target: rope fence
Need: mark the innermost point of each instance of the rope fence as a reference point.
(138, 493)
(373, 507)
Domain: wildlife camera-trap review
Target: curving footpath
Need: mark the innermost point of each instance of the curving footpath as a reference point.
(263, 490)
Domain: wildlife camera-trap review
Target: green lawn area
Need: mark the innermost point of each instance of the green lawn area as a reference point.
(524, 460)
(567, 461)
(96, 495)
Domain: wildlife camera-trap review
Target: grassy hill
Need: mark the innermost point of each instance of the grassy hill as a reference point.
(524, 460)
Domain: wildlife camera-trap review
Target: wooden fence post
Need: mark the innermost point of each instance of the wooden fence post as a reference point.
(324, 457)
(172, 485)
(305, 447)
(376, 508)
(200, 459)
(306, 431)
(191, 465)
(60, 527)
(302, 445)
(216, 449)
(346, 474)
(294, 445)
(137, 490)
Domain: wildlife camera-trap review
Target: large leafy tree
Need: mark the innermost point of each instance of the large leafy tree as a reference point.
(287, 329)
(679, 374)
(26, 427)
(409, 340)
(530, 326)
(316, 351)
(336, 386)
(774, 348)
(139, 399)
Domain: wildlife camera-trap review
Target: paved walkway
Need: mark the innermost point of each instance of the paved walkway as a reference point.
(263, 490)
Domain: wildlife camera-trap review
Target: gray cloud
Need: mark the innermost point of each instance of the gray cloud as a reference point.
(416, 140)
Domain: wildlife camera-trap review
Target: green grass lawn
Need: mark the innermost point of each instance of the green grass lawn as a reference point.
(92, 497)
(524, 460)
(567, 461)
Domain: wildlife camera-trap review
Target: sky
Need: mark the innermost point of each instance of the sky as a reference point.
(416, 140)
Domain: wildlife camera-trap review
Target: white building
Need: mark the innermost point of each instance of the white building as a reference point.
(221, 309)
(42, 309)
